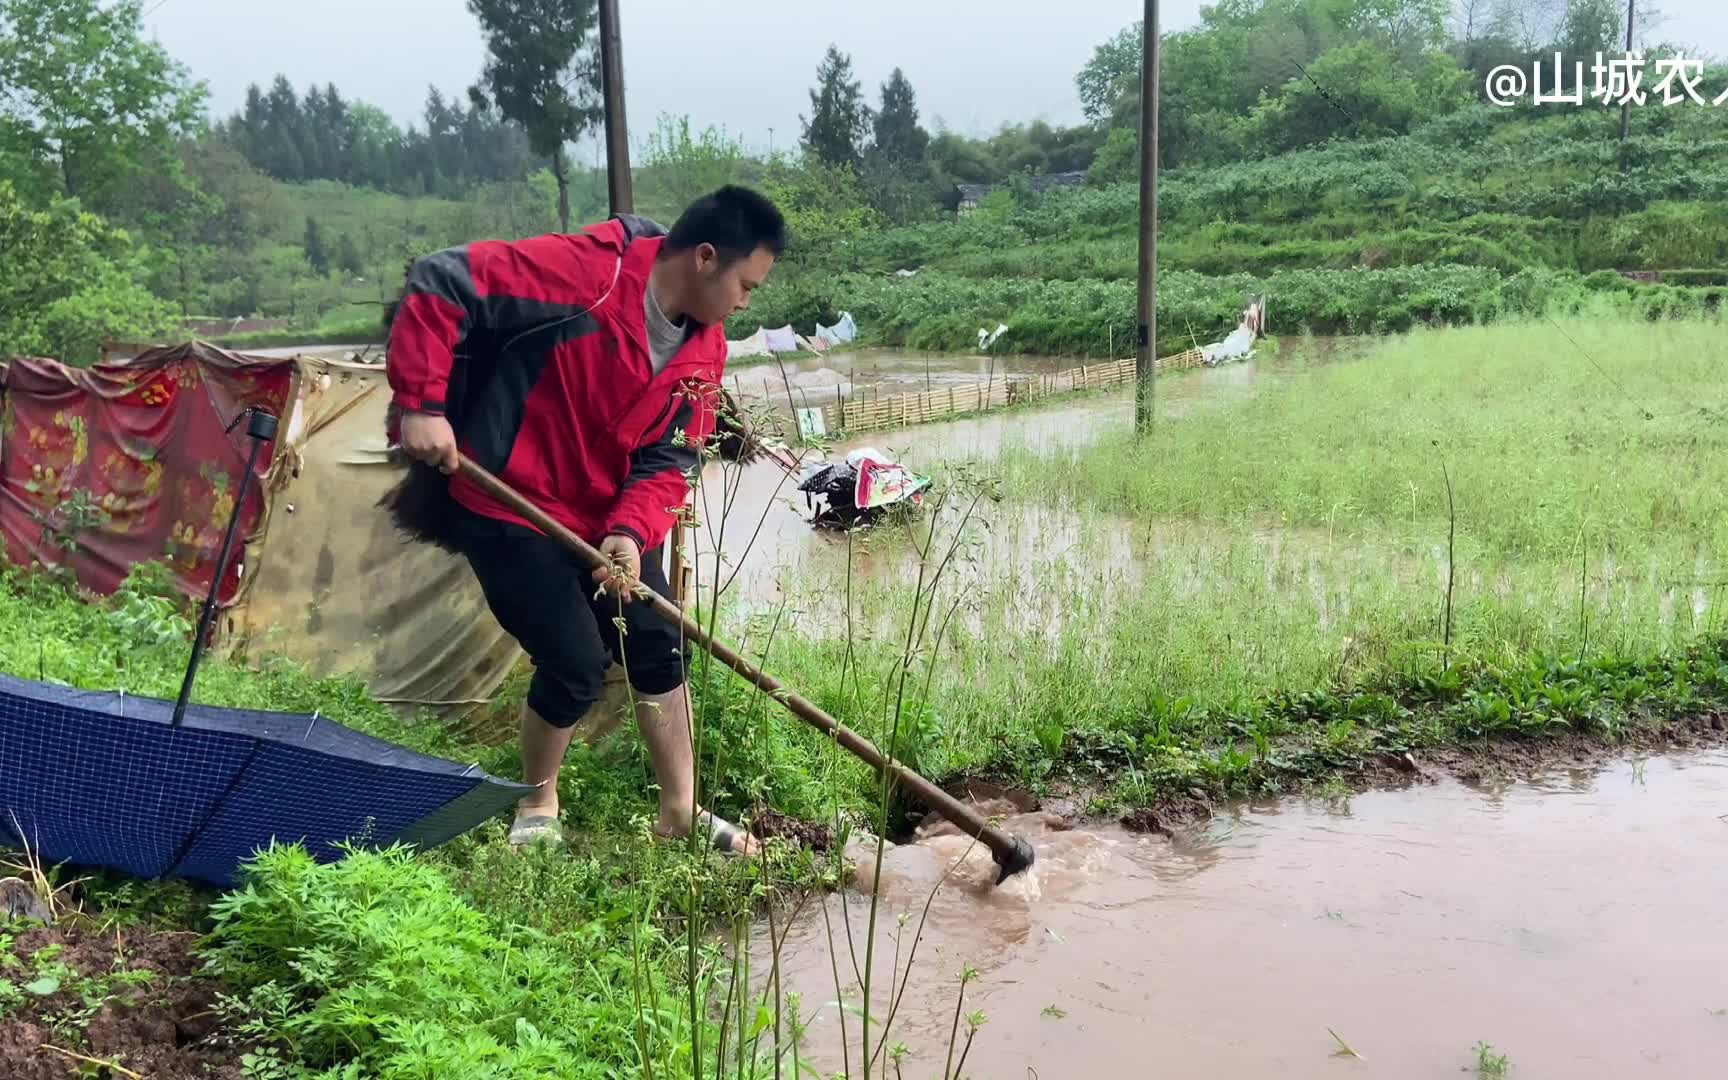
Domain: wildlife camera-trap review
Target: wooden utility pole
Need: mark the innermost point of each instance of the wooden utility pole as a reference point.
(1145, 364)
(618, 186)
(1626, 106)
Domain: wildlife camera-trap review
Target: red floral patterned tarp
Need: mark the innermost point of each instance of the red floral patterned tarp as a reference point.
(106, 467)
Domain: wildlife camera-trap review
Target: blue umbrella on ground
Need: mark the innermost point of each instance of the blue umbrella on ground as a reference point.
(169, 789)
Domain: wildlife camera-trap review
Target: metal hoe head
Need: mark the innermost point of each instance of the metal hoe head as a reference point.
(1016, 858)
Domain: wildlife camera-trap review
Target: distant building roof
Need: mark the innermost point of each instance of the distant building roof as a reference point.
(1044, 183)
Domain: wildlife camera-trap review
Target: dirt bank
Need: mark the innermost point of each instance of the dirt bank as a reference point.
(130, 997)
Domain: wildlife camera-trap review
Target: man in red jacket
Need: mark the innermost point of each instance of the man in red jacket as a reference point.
(584, 371)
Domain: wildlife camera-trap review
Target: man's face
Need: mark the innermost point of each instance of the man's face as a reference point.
(719, 289)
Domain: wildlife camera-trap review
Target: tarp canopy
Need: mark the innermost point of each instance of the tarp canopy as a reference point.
(105, 779)
(1240, 341)
(323, 578)
(338, 588)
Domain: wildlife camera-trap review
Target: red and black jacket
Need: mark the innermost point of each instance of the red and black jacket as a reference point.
(537, 351)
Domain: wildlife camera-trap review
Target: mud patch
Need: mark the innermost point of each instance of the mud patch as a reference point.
(134, 998)
(1508, 759)
(771, 824)
(1169, 815)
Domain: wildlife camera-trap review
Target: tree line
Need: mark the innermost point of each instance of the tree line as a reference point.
(323, 136)
(131, 206)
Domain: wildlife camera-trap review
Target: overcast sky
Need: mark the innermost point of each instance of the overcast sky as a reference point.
(746, 65)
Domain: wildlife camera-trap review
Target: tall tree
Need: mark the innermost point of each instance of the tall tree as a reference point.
(1112, 74)
(896, 171)
(348, 256)
(317, 253)
(85, 100)
(834, 131)
(543, 73)
(1592, 26)
(680, 167)
(899, 139)
(70, 281)
(282, 125)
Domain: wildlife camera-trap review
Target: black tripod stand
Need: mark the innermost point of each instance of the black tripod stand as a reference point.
(260, 428)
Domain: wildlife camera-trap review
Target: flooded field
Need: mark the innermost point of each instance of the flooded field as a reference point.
(757, 521)
(1574, 922)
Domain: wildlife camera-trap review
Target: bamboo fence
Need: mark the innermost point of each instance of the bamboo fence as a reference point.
(902, 410)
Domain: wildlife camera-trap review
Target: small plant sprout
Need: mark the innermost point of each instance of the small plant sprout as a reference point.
(967, 974)
(1490, 1065)
(1344, 1048)
(1055, 1012)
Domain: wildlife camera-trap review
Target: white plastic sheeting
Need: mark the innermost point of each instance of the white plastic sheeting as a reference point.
(754, 345)
(1240, 342)
(769, 341)
(840, 333)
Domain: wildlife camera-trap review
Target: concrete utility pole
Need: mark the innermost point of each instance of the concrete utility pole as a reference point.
(618, 186)
(1626, 106)
(1144, 369)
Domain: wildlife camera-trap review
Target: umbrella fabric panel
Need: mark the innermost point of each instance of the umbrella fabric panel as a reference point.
(105, 779)
(104, 790)
(295, 795)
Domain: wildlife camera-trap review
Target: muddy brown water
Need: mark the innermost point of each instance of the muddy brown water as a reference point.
(1576, 922)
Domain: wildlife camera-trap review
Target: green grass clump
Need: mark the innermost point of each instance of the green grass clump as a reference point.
(1490, 1065)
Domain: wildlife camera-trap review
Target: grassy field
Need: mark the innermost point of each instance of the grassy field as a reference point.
(1464, 532)
(1574, 456)
(1252, 601)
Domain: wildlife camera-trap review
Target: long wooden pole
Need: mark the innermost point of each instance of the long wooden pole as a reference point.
(1012, 853)
(618, 186)
(1145, 366)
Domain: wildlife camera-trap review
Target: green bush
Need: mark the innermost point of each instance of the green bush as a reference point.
(71, 282)
(373, 966)
(1695, 277)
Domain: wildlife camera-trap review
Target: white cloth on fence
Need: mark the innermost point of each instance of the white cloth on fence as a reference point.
(782, 339)
(754, 345)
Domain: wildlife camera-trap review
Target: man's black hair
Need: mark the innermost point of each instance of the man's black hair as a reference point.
(735, 220)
